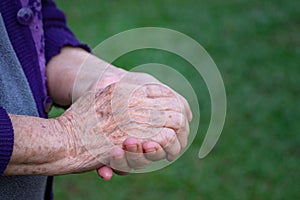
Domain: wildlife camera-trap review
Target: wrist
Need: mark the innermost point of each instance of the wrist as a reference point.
(66, 126)
(95, 75)
(74, 71)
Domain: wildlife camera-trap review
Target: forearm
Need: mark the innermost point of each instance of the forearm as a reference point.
(40, 147)
(63, 69)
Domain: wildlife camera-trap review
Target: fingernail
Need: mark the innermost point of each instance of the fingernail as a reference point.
(150, 150)
(131, 148)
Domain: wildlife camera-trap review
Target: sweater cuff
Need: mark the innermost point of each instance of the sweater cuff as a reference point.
(56, 38)
(6, 139)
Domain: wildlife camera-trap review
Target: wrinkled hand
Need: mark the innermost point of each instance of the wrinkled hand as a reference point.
(126, 125)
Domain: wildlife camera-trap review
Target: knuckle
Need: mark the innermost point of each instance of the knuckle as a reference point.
(181, 121)
(170, 137)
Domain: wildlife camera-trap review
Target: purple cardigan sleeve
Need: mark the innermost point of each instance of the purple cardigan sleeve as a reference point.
(57, 34)
(6, 139)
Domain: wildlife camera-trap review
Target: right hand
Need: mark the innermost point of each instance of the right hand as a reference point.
(99, 123)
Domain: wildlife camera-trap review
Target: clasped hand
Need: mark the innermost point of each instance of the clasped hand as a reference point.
(126, 125)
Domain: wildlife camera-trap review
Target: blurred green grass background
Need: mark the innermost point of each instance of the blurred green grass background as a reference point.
(256, 46)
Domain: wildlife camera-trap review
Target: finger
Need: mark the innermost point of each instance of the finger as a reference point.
(158, 90)
(118, 160)
(182, 135)
(174, 120)
(134, 154)
(187, 108)
(158, 104)
(167, 138)
(169, 119)
(105, 172)
(153, 151)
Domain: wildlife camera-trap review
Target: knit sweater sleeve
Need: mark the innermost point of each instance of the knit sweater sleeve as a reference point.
(6, 139)
(57, 34)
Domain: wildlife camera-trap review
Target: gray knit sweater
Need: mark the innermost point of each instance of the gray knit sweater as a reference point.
(16, 98)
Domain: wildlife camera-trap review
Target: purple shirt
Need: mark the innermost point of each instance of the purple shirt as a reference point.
(37, 32)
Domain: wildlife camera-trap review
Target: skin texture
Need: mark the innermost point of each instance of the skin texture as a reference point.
(117, 123)
(98, 124)
(39, 147)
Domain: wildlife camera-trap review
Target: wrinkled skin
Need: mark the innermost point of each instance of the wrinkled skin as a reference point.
(137, 107)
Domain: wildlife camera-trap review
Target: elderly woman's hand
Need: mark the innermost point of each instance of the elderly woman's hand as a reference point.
(74, 71)
(138, 111)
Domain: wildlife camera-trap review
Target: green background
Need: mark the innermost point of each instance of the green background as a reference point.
(256, 46)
